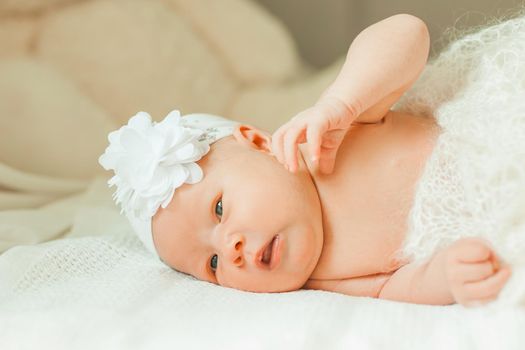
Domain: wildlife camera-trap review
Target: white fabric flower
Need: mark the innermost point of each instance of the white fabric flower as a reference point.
(151, 160)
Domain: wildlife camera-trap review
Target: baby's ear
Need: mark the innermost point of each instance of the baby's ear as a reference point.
(252, 137)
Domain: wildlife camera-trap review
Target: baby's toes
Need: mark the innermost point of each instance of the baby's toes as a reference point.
(487, 288)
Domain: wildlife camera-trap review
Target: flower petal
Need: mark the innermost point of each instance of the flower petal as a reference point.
(179, 174)
(185, 152)
(140, 121)
(195, 173)
(173, 116)
(133, 143)
(151, 160)
(168, 199)
(114, 137)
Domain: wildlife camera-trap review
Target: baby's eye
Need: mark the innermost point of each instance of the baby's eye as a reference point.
(218, 208)
(213, 262)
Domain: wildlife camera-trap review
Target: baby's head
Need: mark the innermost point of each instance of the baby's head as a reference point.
(217, 204)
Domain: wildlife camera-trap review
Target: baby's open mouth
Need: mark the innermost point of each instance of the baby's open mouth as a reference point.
(267, 255)
(269, 251)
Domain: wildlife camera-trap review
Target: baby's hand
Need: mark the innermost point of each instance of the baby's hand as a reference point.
(322, 126)
(474, 272)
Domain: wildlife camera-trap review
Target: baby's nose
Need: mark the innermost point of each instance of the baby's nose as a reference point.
(234, 249)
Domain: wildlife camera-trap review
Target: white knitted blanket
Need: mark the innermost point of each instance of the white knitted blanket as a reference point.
(474, 182)
(107, 292)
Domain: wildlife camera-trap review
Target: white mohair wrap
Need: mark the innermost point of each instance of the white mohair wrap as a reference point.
(151, 160)
(474, 181)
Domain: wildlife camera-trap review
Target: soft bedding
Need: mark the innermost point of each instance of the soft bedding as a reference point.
(105, 291)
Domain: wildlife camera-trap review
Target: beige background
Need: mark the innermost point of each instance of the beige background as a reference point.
(324, 29)
(72, 70)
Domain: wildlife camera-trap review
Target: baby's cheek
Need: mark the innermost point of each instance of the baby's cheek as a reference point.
(227, 278)
(250, 282)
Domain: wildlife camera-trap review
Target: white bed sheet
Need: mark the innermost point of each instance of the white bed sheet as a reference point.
(156, 308)
(105, 291)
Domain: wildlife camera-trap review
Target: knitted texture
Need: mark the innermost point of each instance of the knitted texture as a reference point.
(474, 181)
(107, 292)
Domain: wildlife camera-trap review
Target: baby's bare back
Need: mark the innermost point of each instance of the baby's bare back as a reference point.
(367, 199)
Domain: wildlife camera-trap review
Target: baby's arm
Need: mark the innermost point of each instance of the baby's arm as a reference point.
(382, 63)
(467, 272)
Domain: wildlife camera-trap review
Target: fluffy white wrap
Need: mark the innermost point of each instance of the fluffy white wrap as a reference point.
(474, 181)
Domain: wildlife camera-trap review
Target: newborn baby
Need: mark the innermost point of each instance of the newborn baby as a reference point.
(320, 204)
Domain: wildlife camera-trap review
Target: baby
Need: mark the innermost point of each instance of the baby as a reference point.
(320, 204)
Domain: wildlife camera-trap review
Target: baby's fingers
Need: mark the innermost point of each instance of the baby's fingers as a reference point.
(472, 249)
(292, 138)
(472, 272)
(330, 144)
(314, 138)
(277, 143)
(488, 287)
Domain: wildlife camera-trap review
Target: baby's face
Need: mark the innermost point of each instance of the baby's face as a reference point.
(248, 224)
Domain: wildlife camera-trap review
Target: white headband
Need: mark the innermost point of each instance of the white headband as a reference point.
(151, 160)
